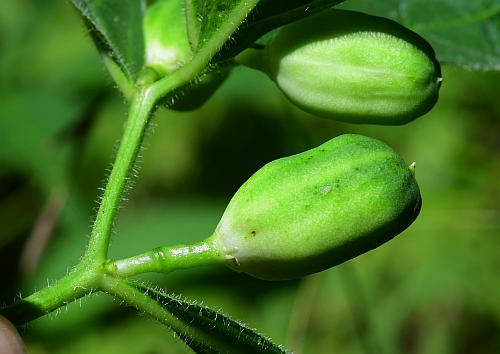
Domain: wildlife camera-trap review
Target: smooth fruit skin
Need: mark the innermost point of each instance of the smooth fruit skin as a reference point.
(308, 212)
(354, 67)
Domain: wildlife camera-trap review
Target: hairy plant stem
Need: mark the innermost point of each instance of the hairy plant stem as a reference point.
(78, 283)
(87, 275)
(140, 112)
(127, 292)
(91, 273)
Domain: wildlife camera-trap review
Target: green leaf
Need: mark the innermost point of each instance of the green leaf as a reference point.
(192, 8)
(268, 15)
(463, 33)
(214, 324)
(229, 26)
(219, 20)
(116, 27)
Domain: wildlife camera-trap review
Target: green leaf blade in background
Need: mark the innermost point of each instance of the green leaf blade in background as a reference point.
(231, 333)
(218, 21)
(226, 27)
(268, 15)
(116, 26)
(463, 33)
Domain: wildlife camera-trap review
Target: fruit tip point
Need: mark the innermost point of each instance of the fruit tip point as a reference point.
(413, 167)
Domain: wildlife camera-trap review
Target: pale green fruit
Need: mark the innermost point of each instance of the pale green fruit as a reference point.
(165, 35)
(308, 212)
(353, 67)
(168, 48)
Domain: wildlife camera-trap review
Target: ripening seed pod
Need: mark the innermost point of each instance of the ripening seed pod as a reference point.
(352, 67)
(302, 214)
(308, 212)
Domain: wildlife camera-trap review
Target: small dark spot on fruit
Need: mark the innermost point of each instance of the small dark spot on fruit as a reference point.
(253, 232)
(235, 262)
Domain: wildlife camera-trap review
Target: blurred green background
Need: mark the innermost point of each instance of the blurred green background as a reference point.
(433, 289)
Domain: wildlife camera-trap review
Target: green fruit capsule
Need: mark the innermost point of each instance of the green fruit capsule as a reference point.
(302, 214)
(165, 35)
(308, 212)
(168, 48)
(353, 67)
